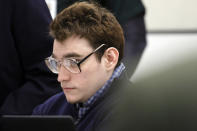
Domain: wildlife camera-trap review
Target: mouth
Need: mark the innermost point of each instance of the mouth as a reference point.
(68, 89)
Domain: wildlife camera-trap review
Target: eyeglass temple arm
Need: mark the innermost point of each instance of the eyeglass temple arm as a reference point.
(78, 64)
(90, 54)
(84, 58)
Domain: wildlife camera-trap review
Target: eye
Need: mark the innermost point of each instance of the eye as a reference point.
(75, 60)
(71, 62)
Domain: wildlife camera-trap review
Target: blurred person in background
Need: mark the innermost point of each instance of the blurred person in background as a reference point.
(164, 101)
(87, 56)
(25, 81)
(130, 14)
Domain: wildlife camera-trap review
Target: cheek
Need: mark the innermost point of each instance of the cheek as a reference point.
(91, 75)
(86, 78)
(91, 70)
(80, 80)
(90, 66)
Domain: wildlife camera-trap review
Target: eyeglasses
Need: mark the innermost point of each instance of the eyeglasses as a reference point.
(70, 64)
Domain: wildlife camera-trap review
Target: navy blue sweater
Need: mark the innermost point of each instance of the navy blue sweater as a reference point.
(97, 116)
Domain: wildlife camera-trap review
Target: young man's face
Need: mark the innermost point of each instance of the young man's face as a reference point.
(79, 87)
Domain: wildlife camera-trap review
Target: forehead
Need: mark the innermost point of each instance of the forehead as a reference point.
(72, 45)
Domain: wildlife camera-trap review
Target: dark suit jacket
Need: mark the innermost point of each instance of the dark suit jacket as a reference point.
(25, 81)
(124, 9)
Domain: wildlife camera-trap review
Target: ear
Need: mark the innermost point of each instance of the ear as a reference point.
(110, 58)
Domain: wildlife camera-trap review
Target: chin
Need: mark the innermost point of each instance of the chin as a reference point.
(72, 100)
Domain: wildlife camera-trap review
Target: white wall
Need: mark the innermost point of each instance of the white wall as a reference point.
(171, 14)
(52, 4)
(164, 51)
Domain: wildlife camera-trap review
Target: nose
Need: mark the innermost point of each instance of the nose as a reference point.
(63, 75)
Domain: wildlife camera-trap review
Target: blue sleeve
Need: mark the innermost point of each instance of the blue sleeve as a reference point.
(38, 110)
(55, 105)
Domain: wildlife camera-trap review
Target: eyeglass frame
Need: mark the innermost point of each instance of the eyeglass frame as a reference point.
(76, 62)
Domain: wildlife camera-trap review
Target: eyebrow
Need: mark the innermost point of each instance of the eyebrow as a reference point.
(68, 55)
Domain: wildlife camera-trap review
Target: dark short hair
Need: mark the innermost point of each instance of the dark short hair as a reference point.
(90, 21)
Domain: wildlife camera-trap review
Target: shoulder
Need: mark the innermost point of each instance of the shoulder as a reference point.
(107, 108)
(51, 106)
(122, 81)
